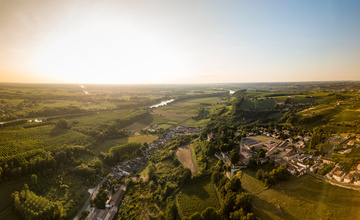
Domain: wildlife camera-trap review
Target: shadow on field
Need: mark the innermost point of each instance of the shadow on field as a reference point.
(196, 189)
(260, 206)
(58, 131)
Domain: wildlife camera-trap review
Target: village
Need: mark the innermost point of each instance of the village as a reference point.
(124, 169)
(291, 153)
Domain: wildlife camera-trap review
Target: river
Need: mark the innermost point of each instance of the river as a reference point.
(162, 103)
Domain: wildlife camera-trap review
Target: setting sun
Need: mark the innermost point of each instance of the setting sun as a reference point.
(108, 52)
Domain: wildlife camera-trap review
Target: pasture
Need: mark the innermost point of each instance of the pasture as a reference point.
(196, 196)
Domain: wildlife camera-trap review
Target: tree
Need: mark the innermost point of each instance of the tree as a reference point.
(235, 184)
(210, 214)
(171, 212)
(84, 214)
(176, 162)
(261, 152)
(34, 179)
(234, 156)
(63, 123)
(215, 177)
(98, 165)
(196, 216)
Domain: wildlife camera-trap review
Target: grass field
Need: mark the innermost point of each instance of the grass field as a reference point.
(347, 115)
(302, 198)
(210, 100)
(138, 139)
(261, 104)
(262, 138)
(184, 154)
(197, 123)
(105, 146)
(164, 126)
(137, 126)
(196, 196)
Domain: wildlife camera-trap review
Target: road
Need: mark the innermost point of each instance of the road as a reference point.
(87, 205)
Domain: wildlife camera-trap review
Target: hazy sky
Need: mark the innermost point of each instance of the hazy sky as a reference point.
(184, 41)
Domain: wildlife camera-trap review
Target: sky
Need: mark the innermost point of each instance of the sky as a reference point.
(141, 42)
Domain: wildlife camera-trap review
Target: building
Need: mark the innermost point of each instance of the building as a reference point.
(318, 166)
(356, 178)
(339, 175)
(349, 177)
(290, 155)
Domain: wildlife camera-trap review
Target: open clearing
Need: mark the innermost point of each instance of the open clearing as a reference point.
(184, 154)
(301, 198)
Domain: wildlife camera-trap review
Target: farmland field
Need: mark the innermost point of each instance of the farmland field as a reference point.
(197, 123)
(139, 139)
(196, 196)
(301, 198)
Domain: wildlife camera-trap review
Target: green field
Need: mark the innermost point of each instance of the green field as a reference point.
(347, 115)
(138, 139)
(261, 104)
(262, 138)
(196, 196)
(302, 198)
(197, 123)
(15, 141)
(210, 100)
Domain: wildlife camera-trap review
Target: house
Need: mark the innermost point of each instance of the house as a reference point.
(347, 151)
(317, 166)
(290, 155)
(302, 165)
(356, 178)
(351, 143)
(281, 162)
(358, 167)
(245, 156)
(327, 161)
(300, 170)
(307, 138)
(291, 170)
(339, 175)
(349, 177)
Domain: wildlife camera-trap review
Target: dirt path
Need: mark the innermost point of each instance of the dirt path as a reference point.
(184, 154)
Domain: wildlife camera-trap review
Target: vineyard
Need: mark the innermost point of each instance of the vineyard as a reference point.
(30, 206)
(24, 143)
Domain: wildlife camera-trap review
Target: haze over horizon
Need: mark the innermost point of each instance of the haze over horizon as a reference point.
(137, 42)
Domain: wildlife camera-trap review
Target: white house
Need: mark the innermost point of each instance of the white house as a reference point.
(339, 175)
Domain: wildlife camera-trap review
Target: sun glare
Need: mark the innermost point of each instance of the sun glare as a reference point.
(108, 52)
